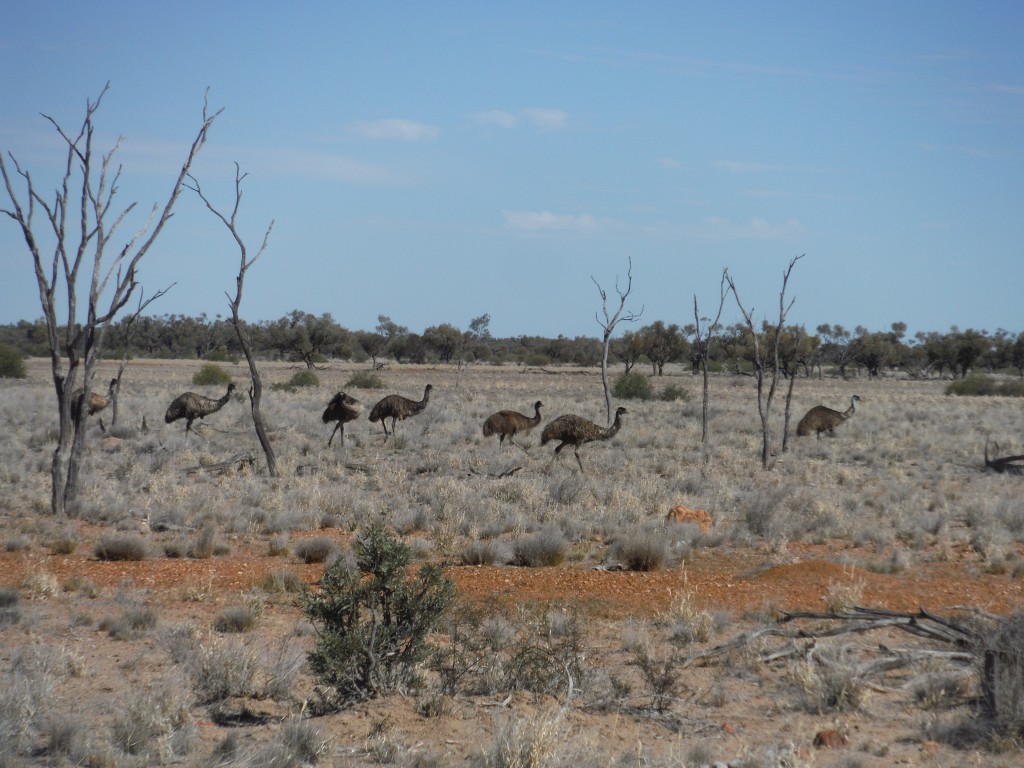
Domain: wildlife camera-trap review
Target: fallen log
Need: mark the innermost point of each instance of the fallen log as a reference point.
(235, 462)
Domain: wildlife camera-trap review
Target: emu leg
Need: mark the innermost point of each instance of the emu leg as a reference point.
(577, 453)
(332, 435)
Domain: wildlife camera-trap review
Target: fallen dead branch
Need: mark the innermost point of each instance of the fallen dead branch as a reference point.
(498, 476)
(1007, 465)
(235, 462)
(856, 620)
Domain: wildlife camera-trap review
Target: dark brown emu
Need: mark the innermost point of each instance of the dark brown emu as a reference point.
(396, 408)
(96, 401)
(576, 431)
(821, 419)
(190, 406)
(508, 423)
(342, 409)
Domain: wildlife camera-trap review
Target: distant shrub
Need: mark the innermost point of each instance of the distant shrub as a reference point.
(643, 552)
(537, 360)
(673, 392)
(633, 386)
(133, 623)
(281, 581)
(64, 544)
(306, 378)
(546, 548)
(364, 380)
(482, 552)
(12, 363)
(211, 374)
(316, 550)
(121, 548)
(981, 386)
(236, 618)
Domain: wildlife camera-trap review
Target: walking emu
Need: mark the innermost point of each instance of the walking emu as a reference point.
(342, 408)
(507, 423)
(576, 431)
(821, 419)
(96, 401)
(396, 408)
(190, 406)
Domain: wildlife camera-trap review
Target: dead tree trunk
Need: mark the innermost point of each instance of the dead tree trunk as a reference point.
(256, 389)
(80, 220)
(608, 328)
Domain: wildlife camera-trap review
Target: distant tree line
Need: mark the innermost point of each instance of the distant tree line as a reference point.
(313, 340)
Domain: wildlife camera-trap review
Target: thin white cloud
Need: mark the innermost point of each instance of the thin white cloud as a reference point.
(394, 128)
(736, 166)
(549, 119)
(545, 221)
(757, 228)
(496, 117)
(669, 162)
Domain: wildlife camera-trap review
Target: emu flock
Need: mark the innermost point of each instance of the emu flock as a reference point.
(567, 429)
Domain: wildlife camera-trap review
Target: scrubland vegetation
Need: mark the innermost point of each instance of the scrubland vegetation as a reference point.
(162, 621)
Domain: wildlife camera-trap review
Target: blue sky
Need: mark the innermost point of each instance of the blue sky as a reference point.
(437, 161)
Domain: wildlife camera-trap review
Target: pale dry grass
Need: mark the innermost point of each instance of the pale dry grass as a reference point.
(900, 481)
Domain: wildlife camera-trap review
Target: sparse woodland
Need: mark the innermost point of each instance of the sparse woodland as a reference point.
(159, 622)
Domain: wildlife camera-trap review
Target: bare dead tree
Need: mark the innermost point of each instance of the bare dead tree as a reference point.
(608, 323)
(761, 361)
(79, 224)
(798, 337)
(704, 330)
(128, 322)
(256, 389)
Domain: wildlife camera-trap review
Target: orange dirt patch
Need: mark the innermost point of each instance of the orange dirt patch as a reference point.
(740, 580)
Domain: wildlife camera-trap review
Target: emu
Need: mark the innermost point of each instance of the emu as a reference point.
(508, 423)
(342, 408)
(396, 408)
(190, 406)
(576, 431)
(821, 419)
(96, 401)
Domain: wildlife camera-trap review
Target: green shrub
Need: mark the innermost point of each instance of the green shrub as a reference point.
(373, 621)
(121, 548)
(673, 392)
(364, 380)
(632, 386)
(306, 378)
(300, 379)
(211, 374)
(980, 386)
(643, 552)
(316, 550)
(12, 363)
(546, 548)
(236, 618)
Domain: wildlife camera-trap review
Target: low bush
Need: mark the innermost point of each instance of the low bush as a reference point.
(632, 386)
(643, 552)
(236, 618)
(12, 364)
(316, 550)
(211, 374)
(364, 380)
(298, 380)
(546, 548)
(981, 386)
(121, 548)
(131, 624)
(673, 392)
(373, 621)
